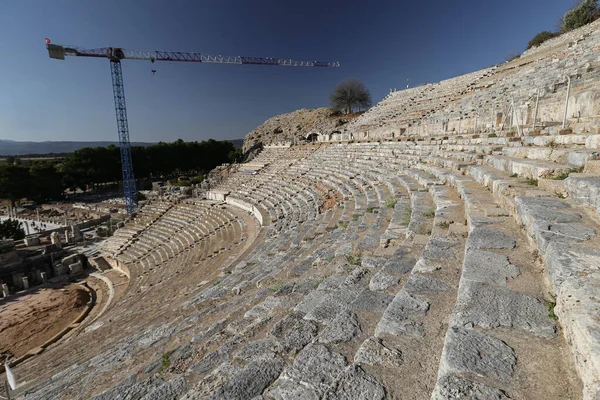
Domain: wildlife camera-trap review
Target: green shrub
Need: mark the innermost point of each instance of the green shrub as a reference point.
(354, 260)
(391, 203)
(165, 363)
(579, 16)
(541, 38)
(532, 182)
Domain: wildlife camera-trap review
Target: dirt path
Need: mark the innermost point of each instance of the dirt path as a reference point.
(28, 321)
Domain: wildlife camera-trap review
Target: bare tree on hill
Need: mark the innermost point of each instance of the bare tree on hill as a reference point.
(350, 94)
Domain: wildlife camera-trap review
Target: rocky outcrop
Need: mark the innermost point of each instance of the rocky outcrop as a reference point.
(294, 127)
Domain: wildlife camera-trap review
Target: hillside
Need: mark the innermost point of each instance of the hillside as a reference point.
(295, 126)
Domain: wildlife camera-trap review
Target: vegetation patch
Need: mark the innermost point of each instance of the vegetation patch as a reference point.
(444, 224)
(354, 260)
(550, 304)
(532, 182)
(429, 214)
(165, 363)
(343, 224)
(391, 203)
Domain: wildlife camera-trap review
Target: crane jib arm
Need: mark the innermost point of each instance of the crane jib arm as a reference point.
(117, 54)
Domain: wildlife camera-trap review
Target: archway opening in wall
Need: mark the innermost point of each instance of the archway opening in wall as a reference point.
(312, 137)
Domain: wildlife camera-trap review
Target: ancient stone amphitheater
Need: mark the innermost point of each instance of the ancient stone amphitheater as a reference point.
(443, 245)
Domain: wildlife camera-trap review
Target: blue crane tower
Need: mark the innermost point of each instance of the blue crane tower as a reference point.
(116, 54)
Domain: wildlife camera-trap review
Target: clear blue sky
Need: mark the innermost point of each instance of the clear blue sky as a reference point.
(382, 43)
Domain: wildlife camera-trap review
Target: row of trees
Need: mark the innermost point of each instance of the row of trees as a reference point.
(89, 167)
(584, 12)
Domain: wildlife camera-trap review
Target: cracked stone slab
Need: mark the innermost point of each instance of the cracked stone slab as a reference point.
(286, 389)
(382, 281)
(331, 305)
(170, 390)
(470, 352)
(316, 365)
(332, 282)
(488, 267)
(374, 352)
(491, 307)
(439, 247)
(258, 349)
(371, 301)
(355, 384)
(372, 262)
(484, 238)
(264, 308)
(252, 380)
(399, 265)
(400, 316)
(294, 332)
(343, 328)
(418, 283)
(452, 387)
(356, 276)
(311, 300)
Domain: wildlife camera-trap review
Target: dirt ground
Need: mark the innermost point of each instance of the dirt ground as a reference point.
(26, 322)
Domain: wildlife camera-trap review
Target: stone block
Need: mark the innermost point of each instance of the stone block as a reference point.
(592, 167)
(495, 212)
(32, 241)
(556, 187)
(75, 268)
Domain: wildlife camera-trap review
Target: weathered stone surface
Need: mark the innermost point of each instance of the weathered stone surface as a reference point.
(470, 352)
(211, 360)
(252, 380)
(356, 276)
(287, 389)
(263, 309)
(355, 384)
(484, 238)
(491, 307)
(418, 283)
(400, 316)
(343, 328)
(372, 262)
(258, 349)
(382, 281)
(293, 332)
(332, 282)
(331, 305)
(310, 301)
(316, 365)
(488, 267)
(371, 301)
(210, 332)
(170, 390)
(440, 247)
(584, 189)
(452, 387)
(399, 266)
(374, 352)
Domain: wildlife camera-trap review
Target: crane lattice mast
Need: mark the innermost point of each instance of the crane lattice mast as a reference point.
(116, 54)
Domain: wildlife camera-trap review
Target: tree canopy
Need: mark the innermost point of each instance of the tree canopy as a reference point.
(11, 229)
(580, 15)
(44, 180)
(350, 94)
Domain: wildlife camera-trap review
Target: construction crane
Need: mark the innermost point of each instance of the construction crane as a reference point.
(116, 54)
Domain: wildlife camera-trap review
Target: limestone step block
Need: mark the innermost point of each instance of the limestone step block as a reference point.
(528, 168)
(584, 189)
(574, 278)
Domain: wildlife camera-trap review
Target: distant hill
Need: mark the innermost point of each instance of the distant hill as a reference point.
(14, 148)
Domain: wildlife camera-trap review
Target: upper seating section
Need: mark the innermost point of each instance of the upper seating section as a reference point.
(507, 96)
